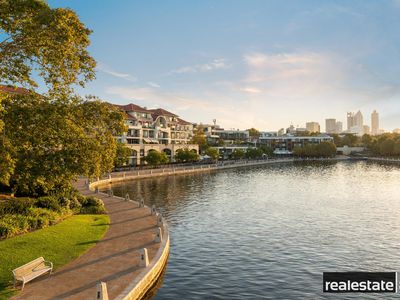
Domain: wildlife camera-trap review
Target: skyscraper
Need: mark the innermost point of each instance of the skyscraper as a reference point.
(350, 120)
(359, 120)
(374, 123)
(330, 125)
(355, 123)
(339, 127)
(312, 127)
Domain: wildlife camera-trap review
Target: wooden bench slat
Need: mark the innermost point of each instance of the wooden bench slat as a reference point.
(31, 270)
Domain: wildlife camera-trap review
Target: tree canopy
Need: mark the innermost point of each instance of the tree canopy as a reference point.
(53, 142)
(154, 158)
(48, 42)
(186, 155)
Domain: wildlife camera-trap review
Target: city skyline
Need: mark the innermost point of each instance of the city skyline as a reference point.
(261, 64)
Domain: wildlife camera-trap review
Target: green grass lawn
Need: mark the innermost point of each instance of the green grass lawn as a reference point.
(59, 244)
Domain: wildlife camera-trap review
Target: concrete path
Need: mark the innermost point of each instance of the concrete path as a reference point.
(114, 260)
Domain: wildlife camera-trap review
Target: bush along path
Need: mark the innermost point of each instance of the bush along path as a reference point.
(114, 260)
(21, 215)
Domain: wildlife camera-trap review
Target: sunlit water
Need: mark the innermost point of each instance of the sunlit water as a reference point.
(269, 232)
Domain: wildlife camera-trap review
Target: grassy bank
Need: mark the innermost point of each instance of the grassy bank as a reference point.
(59, 244)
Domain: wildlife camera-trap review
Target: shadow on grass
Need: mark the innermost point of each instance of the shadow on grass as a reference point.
(7, 292)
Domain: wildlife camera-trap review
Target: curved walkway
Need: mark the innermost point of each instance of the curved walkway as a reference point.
(114, 259)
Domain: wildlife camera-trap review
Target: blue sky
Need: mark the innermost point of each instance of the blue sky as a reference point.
(263, 64)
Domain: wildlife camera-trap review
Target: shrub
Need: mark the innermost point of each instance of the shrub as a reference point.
(92, 205)
(45, 216)
(7, 229)
(64, 202)
(49, 202)
(13, 224)
(74, 204)
(16, 206)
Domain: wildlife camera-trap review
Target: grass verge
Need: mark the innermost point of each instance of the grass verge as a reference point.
(59, 244)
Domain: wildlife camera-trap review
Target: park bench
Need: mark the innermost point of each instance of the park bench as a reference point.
(31, 270)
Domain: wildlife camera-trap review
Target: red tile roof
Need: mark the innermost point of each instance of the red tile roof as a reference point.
(134, 107)
(162, 112)
(183, 122)
(13, 90)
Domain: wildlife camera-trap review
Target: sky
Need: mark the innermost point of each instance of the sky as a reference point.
(264, 64)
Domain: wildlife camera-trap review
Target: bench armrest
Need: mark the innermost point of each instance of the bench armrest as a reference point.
(50, 263)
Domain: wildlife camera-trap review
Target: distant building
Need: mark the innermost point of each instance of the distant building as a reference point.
(154, 129)
(330, 126)
(339, 127)
(350, 120)
(374, 123)
(355, 123)
(285, 144)
(313, 127)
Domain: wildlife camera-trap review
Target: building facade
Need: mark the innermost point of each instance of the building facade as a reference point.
(313, 127)
(374, 123)
(286, 144)
(154, 129)
(330, 126)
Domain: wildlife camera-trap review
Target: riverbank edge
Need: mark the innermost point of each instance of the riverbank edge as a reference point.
(143, 283)
(117, 177)
(149, 276)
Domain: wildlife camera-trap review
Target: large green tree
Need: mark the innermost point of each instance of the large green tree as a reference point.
(49, 42)
(47, 140)
(154, 158)
(54, 142)
(186, 155)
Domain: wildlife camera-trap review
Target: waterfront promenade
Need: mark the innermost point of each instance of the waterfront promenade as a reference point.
(113, 260)
(196, 168)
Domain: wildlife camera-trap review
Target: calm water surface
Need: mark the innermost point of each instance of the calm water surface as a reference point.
(269, 232)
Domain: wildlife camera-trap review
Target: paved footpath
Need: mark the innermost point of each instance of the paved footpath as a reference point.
(114, 260)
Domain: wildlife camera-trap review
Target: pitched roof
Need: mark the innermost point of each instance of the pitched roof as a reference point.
(134, 107)
(183, 122)
(13, 90)
(162, 112)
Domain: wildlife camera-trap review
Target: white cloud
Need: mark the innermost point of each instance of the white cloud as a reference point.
(216, 64)
(153, 84)
(106, 69)
(250, 90)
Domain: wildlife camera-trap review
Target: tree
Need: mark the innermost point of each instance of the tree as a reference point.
(45, 143)
(366, 139)
(387, 147)
(253, 133)
(238, 154)
(51, 43)
(268, 151)
(349, 140)
(212, 153)
(122, 155)
(186, 155)
(254, 153)
(55, 142)
(325, 149)
(199, 138)
(156, 158)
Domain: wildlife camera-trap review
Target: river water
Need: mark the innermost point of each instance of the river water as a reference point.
(269, 232)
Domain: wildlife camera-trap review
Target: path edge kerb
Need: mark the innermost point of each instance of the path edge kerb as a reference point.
(150, 274)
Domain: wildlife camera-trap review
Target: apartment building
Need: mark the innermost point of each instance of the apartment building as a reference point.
(154, 129)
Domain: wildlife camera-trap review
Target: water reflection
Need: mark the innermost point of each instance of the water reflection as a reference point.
(269, 232)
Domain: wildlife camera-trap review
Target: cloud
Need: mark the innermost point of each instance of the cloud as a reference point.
(106, 69)
(216, 64)
(250, 90)
(153, 84)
